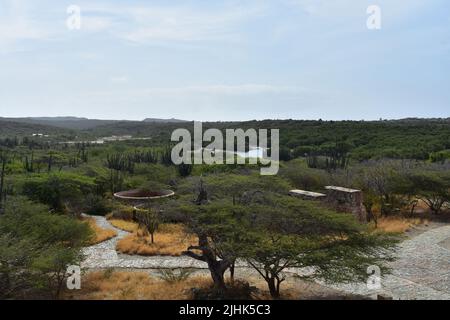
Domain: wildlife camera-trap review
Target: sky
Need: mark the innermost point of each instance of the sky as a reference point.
(225, 60)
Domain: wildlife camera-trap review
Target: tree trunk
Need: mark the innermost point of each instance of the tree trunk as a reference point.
(217, 274)
(152, 237)
(232, 271)
(274, 288)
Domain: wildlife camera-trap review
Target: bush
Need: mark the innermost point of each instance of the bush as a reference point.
(123, 212)
(97, 206)
(171, 276)
(57, 190)
(35, 249)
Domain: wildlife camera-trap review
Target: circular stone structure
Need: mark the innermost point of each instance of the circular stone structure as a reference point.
(140, 195)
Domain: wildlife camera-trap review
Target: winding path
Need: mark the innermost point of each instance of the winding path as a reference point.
(421, 271)
(104, 255)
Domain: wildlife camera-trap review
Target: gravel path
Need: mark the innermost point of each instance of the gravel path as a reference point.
(421, 271)
(104, 255)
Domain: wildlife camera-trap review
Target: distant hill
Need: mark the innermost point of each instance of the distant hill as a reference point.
(172, 120)
(73, 123)
(76, 123)
(9, 128)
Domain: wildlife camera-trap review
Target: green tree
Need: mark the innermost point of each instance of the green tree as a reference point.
(218, 235)
(291, 233)
(433, 188)
(36, 247)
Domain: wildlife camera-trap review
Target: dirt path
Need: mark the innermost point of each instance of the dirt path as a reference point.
(422, 270)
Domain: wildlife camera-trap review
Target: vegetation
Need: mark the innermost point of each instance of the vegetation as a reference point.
(35, 249)
(134, 286)
(169, 240)
(221, 214)
(100, 234)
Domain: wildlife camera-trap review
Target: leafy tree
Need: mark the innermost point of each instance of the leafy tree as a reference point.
(57, 190)
(36, 247)
(184, 169)
(303, 177)
(218, 234)
(285, 154)
(433, 188)
(290, 233)
(274, 232)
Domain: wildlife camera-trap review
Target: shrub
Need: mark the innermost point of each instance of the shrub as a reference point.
(96, 205)
(171, 275)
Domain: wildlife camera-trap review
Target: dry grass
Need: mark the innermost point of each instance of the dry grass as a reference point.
(139, 285)
(124, 225)
(100, 234)
(398, 224)
(170, 240)
(104, 285)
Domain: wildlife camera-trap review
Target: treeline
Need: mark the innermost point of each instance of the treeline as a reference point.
(420, 139)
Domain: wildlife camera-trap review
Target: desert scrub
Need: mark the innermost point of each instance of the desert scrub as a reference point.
(398, 224)
(170, 240)
(134, 286)
(125, 225)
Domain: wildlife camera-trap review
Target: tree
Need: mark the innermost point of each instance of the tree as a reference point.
(433, 188)
(218, 235)
(291, 233)
(303, 177)
(184, 169)
(58, 190)
(149, 220)
(273, 232)
(36, 247)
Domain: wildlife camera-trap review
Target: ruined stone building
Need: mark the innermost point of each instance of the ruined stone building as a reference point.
(339, 198)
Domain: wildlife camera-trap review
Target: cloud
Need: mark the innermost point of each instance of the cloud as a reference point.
(229, 90)
(150, 23)
(350, 8)
(119, 79)
(17, 25)
(96, 24)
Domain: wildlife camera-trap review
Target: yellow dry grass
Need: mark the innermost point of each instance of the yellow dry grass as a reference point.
(169, 240)
(100, 234)
(102, 285)
(124, 225)
(398, 224)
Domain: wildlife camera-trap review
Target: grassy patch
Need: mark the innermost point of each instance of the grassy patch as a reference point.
(124, 225)
(170, 240)
(101, 285)
(100, 234)
(398, 224)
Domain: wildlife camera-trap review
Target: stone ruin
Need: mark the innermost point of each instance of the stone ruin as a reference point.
(339, 198)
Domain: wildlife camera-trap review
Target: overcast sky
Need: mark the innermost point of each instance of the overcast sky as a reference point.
(225, 60)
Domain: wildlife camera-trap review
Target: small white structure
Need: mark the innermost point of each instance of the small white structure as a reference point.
(308, 195)
(342, 189)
